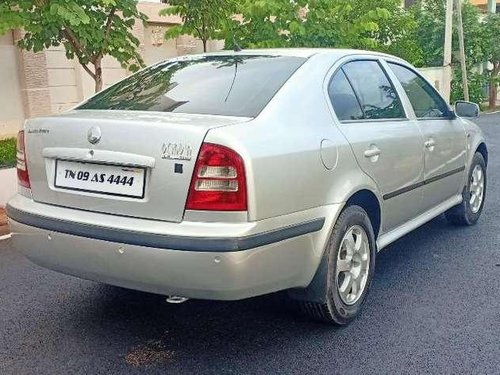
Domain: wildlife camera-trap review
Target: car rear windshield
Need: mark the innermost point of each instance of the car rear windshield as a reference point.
(228, 85)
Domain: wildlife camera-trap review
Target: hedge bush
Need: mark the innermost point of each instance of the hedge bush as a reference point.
(7, 153)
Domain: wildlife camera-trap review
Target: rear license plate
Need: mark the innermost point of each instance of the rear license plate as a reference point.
(100, 178)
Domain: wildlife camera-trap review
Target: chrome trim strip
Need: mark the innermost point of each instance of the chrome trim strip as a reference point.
(98, 156)
(161, 241)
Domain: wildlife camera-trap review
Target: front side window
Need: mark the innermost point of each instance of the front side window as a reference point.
(424, 99)
(228, 85)
(377, 96)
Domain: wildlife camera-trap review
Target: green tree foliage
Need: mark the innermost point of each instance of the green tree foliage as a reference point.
(491, 38)
(397, 34)
(204, 19)
(476, 83)
(88, 30)
(429, 32)
(265, 24)
(340, 23)
(366, 24)
(429, 35)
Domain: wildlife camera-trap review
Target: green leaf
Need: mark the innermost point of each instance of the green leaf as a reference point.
(54, 9)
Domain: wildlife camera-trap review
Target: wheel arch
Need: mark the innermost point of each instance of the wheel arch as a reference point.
(483, 150)
(367, 200)
(364, 198)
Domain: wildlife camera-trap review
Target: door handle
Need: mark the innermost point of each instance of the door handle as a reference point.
(429, 144)
(372, 152)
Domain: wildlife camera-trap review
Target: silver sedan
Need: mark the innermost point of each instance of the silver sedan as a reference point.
(231, 175)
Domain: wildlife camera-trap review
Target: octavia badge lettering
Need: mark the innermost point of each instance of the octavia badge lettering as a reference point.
(176, 151)
(94, 135)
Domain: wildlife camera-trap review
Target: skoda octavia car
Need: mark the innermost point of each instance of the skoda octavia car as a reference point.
(236, 174)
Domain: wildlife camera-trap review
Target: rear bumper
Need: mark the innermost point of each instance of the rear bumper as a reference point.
(223, 261)
(165, 241)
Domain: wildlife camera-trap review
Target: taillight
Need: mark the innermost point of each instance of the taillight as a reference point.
(23, 177)
(218, 182)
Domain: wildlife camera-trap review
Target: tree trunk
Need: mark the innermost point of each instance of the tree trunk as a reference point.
(98, 74)
(493, 95)
(204, 44)
(493, 91)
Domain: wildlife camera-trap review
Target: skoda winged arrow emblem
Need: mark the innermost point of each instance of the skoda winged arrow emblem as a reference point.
(94, 135)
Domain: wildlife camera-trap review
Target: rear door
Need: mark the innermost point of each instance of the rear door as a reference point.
(387, 145)
(444, 137)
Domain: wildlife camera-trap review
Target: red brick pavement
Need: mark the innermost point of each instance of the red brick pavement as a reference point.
(4, 227)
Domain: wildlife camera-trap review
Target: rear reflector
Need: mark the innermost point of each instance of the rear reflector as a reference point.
(23, 177)
(218, 182)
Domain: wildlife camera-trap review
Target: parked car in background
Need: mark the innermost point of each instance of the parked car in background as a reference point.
(230, 175)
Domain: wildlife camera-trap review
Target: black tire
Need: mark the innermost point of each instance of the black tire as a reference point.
(330, 307)
(463, 214)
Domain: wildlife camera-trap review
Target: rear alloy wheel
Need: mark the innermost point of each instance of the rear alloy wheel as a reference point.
(347, 269)
(468, 212)
(353, 265)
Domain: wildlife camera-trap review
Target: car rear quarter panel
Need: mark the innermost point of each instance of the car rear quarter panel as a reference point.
(281, 149)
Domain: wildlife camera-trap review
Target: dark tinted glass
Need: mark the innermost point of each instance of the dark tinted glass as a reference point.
(216, 85)
(425, 101)
(378, 98)
(343, 99)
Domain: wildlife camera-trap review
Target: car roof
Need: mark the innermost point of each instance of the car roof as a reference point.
(298, 52)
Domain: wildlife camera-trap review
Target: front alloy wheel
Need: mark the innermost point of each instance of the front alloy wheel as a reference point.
(476, 189)
(474, 193)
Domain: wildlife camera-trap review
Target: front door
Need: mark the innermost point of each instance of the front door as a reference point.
(387, 145)
(444, 138)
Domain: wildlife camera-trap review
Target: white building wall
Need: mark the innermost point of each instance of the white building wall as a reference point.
(11, 105)
(435, 75)
(63, 83)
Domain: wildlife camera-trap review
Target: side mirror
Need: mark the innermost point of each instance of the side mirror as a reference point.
(466, 109)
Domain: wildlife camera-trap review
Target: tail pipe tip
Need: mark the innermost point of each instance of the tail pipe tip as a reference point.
(176, 299)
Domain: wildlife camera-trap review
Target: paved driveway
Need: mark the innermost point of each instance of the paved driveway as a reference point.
(434, 307)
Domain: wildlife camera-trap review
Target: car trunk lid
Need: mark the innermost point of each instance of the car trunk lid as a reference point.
(140, 164)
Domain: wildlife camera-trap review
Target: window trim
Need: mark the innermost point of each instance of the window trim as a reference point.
(451, 114)
(356, 59)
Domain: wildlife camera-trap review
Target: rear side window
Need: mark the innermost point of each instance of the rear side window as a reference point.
(232, 85)
(344, 101)
(377, 96)
(424, 99)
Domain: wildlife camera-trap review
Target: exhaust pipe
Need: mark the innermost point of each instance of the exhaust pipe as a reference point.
(176, 299)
